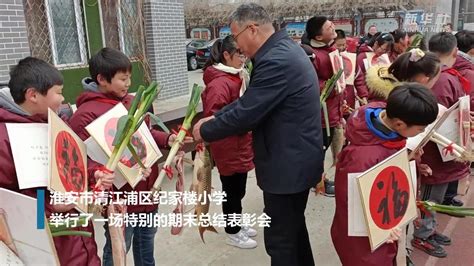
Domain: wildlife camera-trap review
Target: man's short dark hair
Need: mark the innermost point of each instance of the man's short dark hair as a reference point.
(314, 26)
(340, 34)
(412, 103)
(33, 73)
(465, 39)
(442, 43)
(107, 62)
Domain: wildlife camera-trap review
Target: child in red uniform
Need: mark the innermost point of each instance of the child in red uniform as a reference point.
(414, 66)
(340, 43)
(465, 59)
(34, 87)
(380, 44)
(110, 72)
(225, 81)
(321, 34)
(400, 44)
(375, 132)
(448, 89)
(465, 66)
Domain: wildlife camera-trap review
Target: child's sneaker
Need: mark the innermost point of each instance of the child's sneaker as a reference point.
(241, 240)
(430, 246)
(441, 239)
(453, 202)
(249, 231)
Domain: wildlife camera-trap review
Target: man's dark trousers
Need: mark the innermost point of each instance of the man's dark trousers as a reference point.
(286, 240)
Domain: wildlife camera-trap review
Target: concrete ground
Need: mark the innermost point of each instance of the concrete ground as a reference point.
(461, 231)
(188, 249)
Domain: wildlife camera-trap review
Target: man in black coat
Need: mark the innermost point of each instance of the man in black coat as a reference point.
(281, 107)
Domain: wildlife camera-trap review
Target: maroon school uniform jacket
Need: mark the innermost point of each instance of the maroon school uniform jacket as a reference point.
(447, 90)
(232, 154)
(465, 66)
(322, 65)
(350, 95)
(71, 250)
(393, 55)
(364, 151)
(91, 105)
(359, 81)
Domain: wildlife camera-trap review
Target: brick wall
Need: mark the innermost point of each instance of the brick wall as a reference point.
(13, 36)
(165, 45)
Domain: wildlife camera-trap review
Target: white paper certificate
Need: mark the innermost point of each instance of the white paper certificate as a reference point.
(29, 144)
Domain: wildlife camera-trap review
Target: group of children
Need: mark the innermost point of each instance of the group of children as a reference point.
(35, 86)
(397, 100)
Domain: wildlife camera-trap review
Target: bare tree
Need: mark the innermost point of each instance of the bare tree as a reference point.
(207, 12)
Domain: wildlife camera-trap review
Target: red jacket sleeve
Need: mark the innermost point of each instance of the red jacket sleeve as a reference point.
(78, 123)
(217, 96)
(320, 80)
(447, 90)
(359, 81)
(469, 74)
(92, 166)
(161, 138)
(323, 68)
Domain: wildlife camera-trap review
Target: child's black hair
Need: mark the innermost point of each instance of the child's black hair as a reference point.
(412, 103)
(107, 62)
(398, 35)
(314, 26)
(35, 73)
(218, 48)
(381, 38)
(405, 70)
(340, 34)
(465, 39)
(305, 39)
(442, 43)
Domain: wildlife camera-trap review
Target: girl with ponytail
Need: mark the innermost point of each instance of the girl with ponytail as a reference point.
(225, 79)
(414, 66)
(380, 44)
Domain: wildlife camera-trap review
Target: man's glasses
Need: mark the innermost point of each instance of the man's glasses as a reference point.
(246, 27)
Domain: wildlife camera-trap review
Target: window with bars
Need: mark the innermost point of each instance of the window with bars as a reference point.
(56, 31)
(123, 26)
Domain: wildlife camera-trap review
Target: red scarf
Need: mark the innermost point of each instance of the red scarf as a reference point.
(395, 144)
(466, 84)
